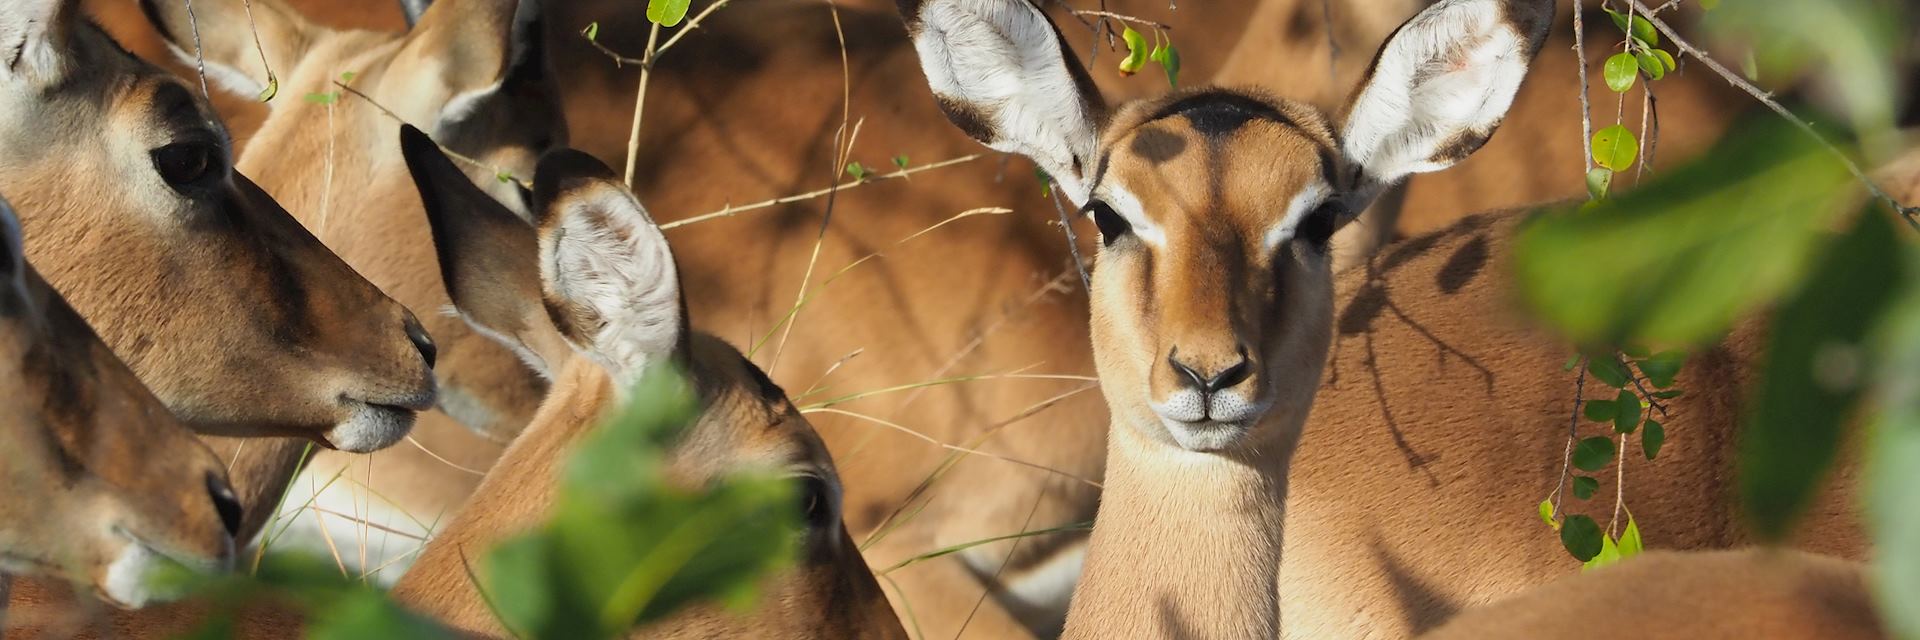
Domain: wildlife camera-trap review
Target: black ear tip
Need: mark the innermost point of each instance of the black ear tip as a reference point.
(562, 169)
(151, 10)
(413, 140)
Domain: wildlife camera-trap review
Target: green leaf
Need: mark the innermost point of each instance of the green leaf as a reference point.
(1630, 544)
(1606, 368)
(272, 89)
(1641, 29)
(1171, 62)
(1583, 487)
(1668, 394)
(1546, 513)
(365, 613)
(1651, 439)
(503, 175)
(1136, 52)
(1661, 368)
(1593, 454)
(1627, 417)
(1666, 60)
(1851, 46)
(900, 161)
(592, 32)
(329, 97)
(1892, 467)
(666, 13)
(1609, 554)
(1651, 64)
(346, 77)
(1598, 181)
(1046, 182)
(857, 170)
(1581, 537)
(1620, 72)
(1615, 148)
(1817, 361)
(1572, 361)
(1709, 4)
(1667, 263)
(1600, 410)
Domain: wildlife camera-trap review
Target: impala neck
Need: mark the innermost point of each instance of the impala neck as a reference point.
(1186, 544)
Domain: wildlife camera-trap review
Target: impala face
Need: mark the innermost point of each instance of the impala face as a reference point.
(1212, 297)
(101, 482)
(471, 73)
(230, 311)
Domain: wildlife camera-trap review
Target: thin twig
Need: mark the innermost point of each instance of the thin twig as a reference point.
(1123, 18)
(730, 210)
(1333, 48)
(1910, 214)
(273, 83)
(1586, 108)
(1619, 485)
(1573, 433)
(842, 151)
(423, 449)
(199, 55)
(1073, 242)
(620, 59)
(497, 171)
(640, 104)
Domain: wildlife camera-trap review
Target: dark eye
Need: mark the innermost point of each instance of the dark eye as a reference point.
(186, 163)
(1112, 226)
(817, 504)
(1318, 226)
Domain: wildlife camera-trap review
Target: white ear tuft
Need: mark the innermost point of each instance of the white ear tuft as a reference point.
(1000, 72)
(1440, 87)
(609, 267)
(35, 39)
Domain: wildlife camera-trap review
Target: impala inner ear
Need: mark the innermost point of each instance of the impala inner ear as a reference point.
(231, 36)
(36, 39)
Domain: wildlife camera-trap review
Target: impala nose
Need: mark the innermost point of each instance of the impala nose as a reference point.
(418, 335)
(1193, 376)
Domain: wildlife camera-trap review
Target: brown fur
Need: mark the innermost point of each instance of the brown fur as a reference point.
(1752, 593)
(93, 463)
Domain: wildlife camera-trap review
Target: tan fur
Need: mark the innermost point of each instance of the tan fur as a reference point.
(706, 144)
(1752, 593)
(93, 463)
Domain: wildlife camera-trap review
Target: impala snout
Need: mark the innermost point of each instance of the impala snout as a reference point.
(1212, 397)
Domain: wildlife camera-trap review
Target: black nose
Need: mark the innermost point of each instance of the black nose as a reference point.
(421, 340)
(224, 502)
(1227, 377)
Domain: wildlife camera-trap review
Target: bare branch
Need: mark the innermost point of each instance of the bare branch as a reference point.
(730, 210)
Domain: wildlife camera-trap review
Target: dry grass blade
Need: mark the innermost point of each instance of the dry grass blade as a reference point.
(952, 447)
(913, 621)
(423, 449)
(730, 210)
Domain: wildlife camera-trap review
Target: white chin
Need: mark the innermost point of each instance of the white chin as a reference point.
(128, 584)
(1206, 436)
(371, 428)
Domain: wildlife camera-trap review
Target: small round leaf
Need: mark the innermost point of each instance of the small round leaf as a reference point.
(1593, 454)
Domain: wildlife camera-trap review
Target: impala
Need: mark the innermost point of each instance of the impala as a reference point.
(103, 484)
(1215, 307)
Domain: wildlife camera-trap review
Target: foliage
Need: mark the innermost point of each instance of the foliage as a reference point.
(625, 546)
(1163, 53)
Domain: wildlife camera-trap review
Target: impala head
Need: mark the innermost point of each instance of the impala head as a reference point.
(224, 305)
(1212, 299)
(594, 278)
(101, 482)
(472, 73)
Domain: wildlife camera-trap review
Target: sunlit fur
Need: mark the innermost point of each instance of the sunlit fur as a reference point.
(101, 482)
(229, 310)
(745, 422)
(472, 73)
(1750, 593)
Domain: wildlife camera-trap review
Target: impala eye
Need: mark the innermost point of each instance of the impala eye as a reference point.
(1112, 226)
(1317, 229)
(186, 164)
(817, 504)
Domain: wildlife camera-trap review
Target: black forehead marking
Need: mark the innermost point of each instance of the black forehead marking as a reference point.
(1217, 114)
(1156, 145)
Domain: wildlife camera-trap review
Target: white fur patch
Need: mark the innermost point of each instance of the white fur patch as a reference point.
(126, 582)
(1002, 59)
(1128, 206)
(1302, 204)
(607, 255)
(370, 428)
(1452, 70)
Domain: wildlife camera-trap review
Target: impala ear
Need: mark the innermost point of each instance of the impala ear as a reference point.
(1000, 71)
(1438, 89)
(36, 39)
(483, 50)
(610, 283)
(488, 256)
(232, 36)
